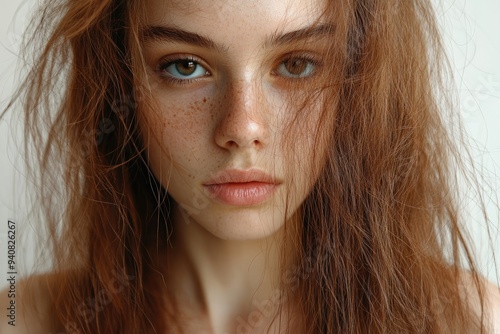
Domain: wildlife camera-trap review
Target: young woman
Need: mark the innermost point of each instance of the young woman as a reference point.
(246, 167)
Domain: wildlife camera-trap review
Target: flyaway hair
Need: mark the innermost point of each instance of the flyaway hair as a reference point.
(380, 243)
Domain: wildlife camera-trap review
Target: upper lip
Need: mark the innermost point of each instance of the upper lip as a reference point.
(241, 176)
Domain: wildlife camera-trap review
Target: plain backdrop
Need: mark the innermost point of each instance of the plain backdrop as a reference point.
(471, 32)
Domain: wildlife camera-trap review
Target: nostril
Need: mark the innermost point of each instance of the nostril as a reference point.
(231, 144)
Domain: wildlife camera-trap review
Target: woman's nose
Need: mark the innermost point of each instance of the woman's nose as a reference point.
(244, 117)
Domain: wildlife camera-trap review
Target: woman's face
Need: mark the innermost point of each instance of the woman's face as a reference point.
(226, 79)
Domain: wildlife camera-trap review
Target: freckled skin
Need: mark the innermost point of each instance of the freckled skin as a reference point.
(232, 119)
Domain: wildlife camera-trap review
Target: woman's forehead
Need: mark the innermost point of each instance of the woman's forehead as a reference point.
(237, 16)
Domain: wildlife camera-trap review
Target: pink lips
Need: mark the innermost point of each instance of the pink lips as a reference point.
(242, 188)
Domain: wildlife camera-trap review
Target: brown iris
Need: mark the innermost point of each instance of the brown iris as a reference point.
(295, 66)
(186, 66)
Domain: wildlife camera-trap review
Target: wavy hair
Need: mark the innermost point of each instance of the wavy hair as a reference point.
(377, 227)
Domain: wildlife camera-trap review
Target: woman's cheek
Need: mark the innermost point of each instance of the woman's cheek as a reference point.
(181, 130)
(184, 119)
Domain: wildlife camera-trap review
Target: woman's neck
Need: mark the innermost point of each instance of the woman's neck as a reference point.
(224, 280)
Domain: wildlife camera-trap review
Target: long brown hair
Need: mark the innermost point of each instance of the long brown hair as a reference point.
(372, 247)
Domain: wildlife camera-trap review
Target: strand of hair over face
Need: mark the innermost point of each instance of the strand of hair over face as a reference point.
(371, 246)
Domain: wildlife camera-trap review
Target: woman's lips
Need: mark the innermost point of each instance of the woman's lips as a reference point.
(242, 188)
(242, 194)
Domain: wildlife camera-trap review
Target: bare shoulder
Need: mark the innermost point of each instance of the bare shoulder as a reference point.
(28, 306)
(491, 297)
(493, 303)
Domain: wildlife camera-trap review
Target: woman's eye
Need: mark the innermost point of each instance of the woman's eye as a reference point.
(184, 69)
(296, 68)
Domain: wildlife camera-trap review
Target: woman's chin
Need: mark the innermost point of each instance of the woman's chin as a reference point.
(236, 224)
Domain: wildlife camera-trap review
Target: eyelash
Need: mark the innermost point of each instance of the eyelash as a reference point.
(170, 79)
(310, 59)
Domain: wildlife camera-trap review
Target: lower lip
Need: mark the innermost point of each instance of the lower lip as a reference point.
(242, 194)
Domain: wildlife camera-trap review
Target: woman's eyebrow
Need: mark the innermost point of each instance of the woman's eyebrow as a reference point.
(304, 33)
(174, 34)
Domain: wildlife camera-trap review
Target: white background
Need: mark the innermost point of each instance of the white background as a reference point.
(472, 34)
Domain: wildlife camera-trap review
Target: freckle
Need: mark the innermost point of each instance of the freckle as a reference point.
(204, 99)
